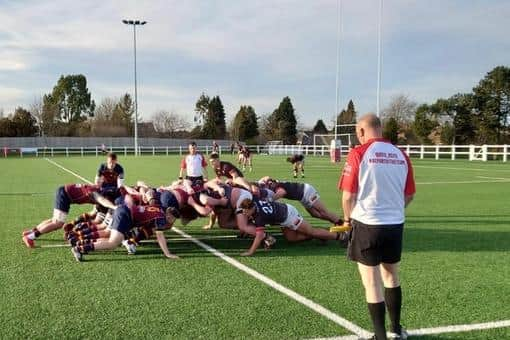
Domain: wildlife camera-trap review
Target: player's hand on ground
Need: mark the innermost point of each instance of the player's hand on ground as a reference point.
(246, 253)
(172, 256)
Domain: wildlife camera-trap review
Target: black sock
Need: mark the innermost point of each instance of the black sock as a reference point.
(393, 298)
(377, 311)
(339, 222)
(37, 233)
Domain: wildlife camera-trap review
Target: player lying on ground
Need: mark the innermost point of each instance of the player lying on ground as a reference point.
(295, 228)
(125, 218)
(304, 193)
(65, 196)
(228, 170)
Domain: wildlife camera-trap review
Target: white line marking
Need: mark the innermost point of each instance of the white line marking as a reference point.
(273, 284)
(499, 178)
(460, 328)
(440, 330)
(72, 173)
(452, 168)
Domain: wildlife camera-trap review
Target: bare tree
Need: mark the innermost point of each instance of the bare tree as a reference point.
(106, 109)
(166, 122)
(402, 108)
(36, 109)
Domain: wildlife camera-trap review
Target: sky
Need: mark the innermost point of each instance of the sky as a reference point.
(251, 52)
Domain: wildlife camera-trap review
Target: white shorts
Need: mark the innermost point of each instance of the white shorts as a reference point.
(310, 196)
(59, 216)
(245, 194)
(294, 219)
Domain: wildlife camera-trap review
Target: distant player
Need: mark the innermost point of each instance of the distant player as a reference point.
(65, 196)
(247, 158)
(110, 177)
(298, 164)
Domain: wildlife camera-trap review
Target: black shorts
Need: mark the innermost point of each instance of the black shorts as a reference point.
(121, 220)
(62, 201)
(373, 245)
(196, 180)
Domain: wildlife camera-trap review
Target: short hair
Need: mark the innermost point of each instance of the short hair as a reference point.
(214, 155)
(112, 156)
(371, 120)
(192, 144)
(247, 204)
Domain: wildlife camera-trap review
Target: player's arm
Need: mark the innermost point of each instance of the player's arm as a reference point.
(204, 169)
(160, 236)
(183, 167)
(240, 180)
(279, 193)
(103, 201)
(120, 178)
(98, 178)
(348, 202)
(408, 199)
(204, 211)
(259, 237)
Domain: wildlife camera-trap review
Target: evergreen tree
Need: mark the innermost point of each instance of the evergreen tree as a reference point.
(24, 123)
(285, 121)
(214, 125)
(423, 123)
(245, 126)
(347, 116)
(320, 127)
(72, 98)
(390, 130)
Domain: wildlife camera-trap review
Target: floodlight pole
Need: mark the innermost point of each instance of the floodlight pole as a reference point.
(337, 82)
(379, 59)
(135, 23)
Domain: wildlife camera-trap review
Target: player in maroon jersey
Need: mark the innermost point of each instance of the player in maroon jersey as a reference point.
(110, 176)
(124, 219)
(298, 163)
(247, 158)
(65, 196)
(228, 170)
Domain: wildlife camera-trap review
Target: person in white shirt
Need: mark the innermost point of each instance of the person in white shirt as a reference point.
(195, 166)
(377, 184)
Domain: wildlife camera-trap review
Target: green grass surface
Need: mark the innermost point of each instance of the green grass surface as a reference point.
(455, 267)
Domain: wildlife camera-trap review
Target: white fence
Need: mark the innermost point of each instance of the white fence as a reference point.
(469, 152)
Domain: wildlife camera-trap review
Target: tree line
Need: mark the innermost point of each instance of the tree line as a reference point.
(478, 117)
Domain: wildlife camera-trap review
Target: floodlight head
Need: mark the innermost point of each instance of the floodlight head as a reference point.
(143, 22)
(137, 22)
(125, 21)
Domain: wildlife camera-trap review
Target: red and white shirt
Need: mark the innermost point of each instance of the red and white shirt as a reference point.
(193, 164)
(381, 175)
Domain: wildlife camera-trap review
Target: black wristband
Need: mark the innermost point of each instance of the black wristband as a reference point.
(180, 177)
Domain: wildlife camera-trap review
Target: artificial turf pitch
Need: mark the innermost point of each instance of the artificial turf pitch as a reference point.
(455, 267)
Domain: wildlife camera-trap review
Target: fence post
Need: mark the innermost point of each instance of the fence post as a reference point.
(453, 152)
(437, 152)
(484, 153)
(167, 150)
(505, 149)
(408, 150)
(82, 151)
(180, 150)
(422, 151)
(67, 152)
(153, 151)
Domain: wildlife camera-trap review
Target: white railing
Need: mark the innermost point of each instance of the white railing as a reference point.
(437, 152)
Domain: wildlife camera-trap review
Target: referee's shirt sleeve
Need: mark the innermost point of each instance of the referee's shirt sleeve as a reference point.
(410, 188)
(349, 179)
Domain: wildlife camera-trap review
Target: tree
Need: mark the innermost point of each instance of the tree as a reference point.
(401, 108)
(424, 123)
(49, 118)
(347, 116)
(24, 123)
(72, 98)
(245, 126)
(7, 127)
(447, 133)
(124, 111)
(492, 105)
(320, 127)
(168, 123)
(284, 122)
(201, 108)
(214, 124)
(390, 130)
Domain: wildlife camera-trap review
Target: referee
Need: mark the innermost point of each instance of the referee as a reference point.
(377, 184)
(195, 166)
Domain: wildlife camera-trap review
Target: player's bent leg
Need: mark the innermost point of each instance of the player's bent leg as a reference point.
(294, 236)
(113, 242)
(318, 233)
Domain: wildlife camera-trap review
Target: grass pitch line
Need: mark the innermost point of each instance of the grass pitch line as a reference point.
(503, 180)
(67, 170)
(273, 284)
(460, 328)
(439, 330)
(498, 178)
(282, 289)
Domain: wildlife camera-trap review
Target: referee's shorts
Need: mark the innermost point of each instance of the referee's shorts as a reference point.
(372, 245)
